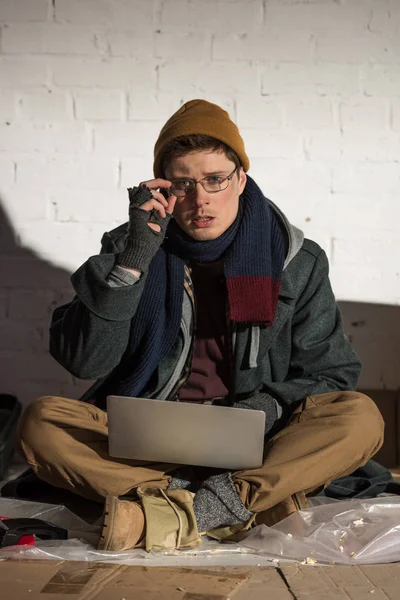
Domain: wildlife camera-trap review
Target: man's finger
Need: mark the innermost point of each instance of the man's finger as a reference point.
(171, 204)
(154, 184)
(153, 205)
(159, 196)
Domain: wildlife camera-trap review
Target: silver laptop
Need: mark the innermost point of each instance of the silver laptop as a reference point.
(185, 433)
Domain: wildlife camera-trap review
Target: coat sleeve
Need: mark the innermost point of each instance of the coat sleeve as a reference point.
(89, 335)
(321, 357)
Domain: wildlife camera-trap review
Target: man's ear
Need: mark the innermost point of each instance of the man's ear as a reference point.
(242, 180)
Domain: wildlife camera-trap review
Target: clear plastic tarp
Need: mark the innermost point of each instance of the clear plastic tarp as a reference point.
(330, 532)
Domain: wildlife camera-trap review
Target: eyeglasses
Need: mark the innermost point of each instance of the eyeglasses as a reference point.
(211, 184)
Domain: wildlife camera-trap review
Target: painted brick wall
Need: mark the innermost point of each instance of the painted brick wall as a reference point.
(85, 86)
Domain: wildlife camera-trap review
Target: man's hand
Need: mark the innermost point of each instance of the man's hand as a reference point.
(149, 215)
(158, 201)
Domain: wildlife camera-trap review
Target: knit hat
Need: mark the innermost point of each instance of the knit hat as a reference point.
(200, 116)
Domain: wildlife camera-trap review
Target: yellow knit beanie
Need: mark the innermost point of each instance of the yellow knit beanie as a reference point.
(200, 116)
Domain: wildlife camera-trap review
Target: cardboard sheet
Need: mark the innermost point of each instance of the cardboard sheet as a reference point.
(51, 580)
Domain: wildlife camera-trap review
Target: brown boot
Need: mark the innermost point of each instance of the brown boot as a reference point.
(123, 525)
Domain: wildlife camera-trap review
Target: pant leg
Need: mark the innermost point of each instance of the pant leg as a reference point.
(66, 444)
(329, 436)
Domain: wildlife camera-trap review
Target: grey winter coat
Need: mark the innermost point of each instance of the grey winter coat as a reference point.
(304, 353)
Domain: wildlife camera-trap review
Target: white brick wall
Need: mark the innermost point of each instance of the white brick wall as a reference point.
(85, 86)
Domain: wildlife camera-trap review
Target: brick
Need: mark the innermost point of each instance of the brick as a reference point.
(113, 73)
(135, 170)
(216, 17)
(3, 303)
(286, 179)
(226, 101)
(7, 173)
(324, 146)
(359, 49)
(217, 77)
(154, 107)
(7, 106)
(308, 114)
(72, 172)
(126, 13)
(384, 19)
(266, 144)
(299, 79)
(258, 112)
(27, 391)
(347, 147)
(54, 137)
(194, 46)
(370, 248)
(67, 244)
(369, 179)
(139, 44)
(381, 147)
(123, 139)
(247, 46)
(396, 116)
(99, 105)
(365, 114)
(314, 215)
(23, 72)
(382, 80)
(160, 106)
(45, 105)
(175, 15)
(318, 18)
(29, 271)
(8, 237)
(49, 38)
(26, 204)
(32, 367)
(36, 305)
(366, 222)
(17, 335)
(349, 283)
(23, 10)
(90, 207)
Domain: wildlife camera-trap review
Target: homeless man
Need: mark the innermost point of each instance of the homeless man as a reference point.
(207, 294)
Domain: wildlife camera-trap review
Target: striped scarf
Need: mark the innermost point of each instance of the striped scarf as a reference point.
(253, 253)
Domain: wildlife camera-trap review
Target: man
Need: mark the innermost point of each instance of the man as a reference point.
(226, 303)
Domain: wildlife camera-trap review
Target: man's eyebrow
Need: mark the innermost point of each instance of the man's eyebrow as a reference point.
(219, 172)
(205, 174)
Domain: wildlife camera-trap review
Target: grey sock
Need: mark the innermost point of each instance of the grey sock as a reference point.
(184, 479)
(217, 504)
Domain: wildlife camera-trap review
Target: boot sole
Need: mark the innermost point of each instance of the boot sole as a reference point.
(109, 516)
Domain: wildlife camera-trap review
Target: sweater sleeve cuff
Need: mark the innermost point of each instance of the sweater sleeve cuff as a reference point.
(120, 277)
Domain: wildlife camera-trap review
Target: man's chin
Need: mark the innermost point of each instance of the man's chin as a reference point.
(203, 235)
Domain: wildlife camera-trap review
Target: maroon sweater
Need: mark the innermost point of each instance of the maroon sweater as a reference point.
(210, 371)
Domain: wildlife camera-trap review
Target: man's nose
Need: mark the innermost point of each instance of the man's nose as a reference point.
(200, 196)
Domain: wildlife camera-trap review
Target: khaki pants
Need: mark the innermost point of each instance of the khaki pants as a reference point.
(329, 435)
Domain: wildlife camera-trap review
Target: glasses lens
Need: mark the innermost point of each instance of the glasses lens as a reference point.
(182, 187)
(215, 184)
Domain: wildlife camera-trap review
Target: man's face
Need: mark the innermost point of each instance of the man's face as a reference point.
(202, 215)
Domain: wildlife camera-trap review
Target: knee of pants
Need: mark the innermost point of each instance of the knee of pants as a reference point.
(370, 426)
(31, 431)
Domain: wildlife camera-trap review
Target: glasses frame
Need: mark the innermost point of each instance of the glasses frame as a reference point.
(228, 178)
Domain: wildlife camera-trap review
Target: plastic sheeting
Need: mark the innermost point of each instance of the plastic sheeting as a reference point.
(339, 532)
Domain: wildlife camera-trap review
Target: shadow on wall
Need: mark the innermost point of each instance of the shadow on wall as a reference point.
(30, 288)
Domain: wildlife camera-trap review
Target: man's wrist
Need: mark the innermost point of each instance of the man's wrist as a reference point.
(135, 272)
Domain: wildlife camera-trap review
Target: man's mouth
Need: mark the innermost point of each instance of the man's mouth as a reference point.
(203, 221)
